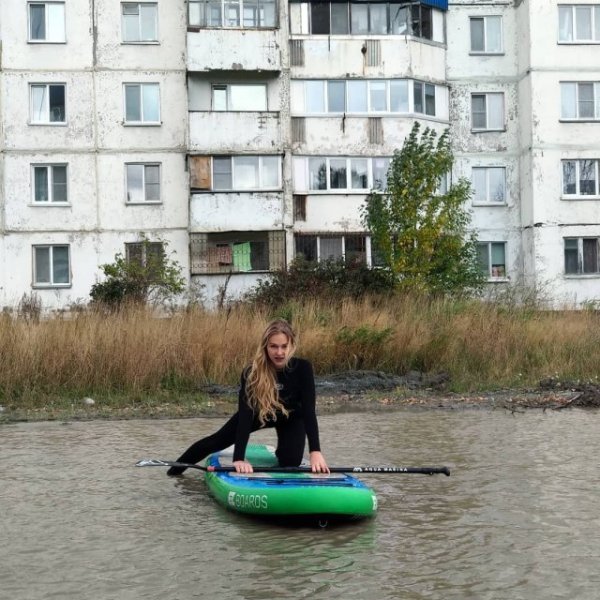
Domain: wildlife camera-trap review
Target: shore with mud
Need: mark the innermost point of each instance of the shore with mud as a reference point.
(354, 391)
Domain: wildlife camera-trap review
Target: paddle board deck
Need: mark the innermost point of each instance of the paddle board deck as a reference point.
(322, 496)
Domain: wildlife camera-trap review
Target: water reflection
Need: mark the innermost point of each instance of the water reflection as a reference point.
(518, 518)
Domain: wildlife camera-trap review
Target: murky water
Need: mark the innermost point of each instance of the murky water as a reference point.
(518, 519)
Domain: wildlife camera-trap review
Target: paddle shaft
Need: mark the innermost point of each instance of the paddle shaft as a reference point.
(257, 469)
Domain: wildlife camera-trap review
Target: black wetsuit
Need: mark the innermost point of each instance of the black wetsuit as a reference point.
(296, 385)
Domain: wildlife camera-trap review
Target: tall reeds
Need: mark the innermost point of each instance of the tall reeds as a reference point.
(480, 345)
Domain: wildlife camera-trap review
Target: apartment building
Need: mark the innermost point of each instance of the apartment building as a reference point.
(245, 133)
(93, 141)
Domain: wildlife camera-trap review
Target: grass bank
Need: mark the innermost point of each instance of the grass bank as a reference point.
(134, 358)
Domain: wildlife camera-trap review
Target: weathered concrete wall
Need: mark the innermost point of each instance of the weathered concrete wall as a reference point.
(94, 143)
(234, 50)
(235, 132)
(346, 57)
(236, 211)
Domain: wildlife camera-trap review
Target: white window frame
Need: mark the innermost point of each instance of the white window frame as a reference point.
(488, 192)
(577, 195)
(261, 173)
(302, 174)
(51, 266)
(580, 256)
(238, 8)
(227, 88)
(566, 90)
(145, 185)
(486, 20)
(51, 37)
(49, 168)
(140, 39)
(490, 273)
(567, 32)
(308, 94)
(45, 120)
(141, 85)
(487, 126)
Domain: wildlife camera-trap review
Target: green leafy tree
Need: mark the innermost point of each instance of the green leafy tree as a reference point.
(420, 233)
(146, 275)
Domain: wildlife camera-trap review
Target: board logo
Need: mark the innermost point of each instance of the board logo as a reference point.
(246, 501)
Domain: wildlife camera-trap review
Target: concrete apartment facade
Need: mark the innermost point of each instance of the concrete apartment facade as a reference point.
(246, 133)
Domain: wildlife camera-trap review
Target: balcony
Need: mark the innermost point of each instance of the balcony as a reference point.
(236, 211)
(233, 132)
(234, 50)
(357, 56)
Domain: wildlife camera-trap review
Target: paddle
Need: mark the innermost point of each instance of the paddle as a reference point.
(364, 470)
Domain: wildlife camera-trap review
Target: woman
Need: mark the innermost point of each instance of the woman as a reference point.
(277, 391)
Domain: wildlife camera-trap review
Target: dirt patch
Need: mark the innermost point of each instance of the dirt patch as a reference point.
(375, 390)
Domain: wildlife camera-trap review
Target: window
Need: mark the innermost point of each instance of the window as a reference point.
(487, 112)
(581, 256)
(369, 96)
(139, 22)
(489, 185)
(49, 184)
(351, 248)
(143, 182)
(579, 23)
(492, 259)
(241, 97)
(486, 35)
(48, 103)
(374, 18)
(580, 178)
(580, 100)
(142, 103)
(246, 172)
(340, 173)
(51, 266)
(250, 14)
(237, 252)
(147, 255)
(47, 22)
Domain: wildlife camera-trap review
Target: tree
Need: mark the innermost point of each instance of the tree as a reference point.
(145, 275)
(419, 232)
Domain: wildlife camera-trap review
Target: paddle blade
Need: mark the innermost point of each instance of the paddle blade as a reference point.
(152, 462)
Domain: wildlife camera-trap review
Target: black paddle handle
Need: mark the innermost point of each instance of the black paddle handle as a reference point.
(257, 469)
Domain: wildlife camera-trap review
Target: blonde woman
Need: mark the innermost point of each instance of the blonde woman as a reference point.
(277, 390)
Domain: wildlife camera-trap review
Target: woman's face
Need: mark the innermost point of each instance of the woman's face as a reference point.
(278, 349)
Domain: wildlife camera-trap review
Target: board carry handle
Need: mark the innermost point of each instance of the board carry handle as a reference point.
(366, 470)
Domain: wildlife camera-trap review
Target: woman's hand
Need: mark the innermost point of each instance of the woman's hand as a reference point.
(243, 466)
(318, 463)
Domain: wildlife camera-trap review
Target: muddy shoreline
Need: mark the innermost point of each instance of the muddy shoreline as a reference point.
(356, 391)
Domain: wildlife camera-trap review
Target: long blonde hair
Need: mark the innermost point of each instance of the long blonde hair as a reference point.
(261, 382)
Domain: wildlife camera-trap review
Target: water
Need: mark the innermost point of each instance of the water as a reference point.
(518, 519)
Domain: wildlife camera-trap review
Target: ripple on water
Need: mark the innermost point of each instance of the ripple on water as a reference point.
(518, 518)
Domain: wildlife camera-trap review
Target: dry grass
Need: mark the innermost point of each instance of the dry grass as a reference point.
(480, 345)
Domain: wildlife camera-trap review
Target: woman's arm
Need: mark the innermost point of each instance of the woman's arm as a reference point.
(317, 460)
(244, 428)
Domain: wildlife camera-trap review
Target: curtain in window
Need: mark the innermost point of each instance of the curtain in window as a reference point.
(150, 102)
(565, 23)
(568, 100)
(590, 255)
(60, 264)
(571, 256)
(331, 248)
(40, 176)
(42, 265)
